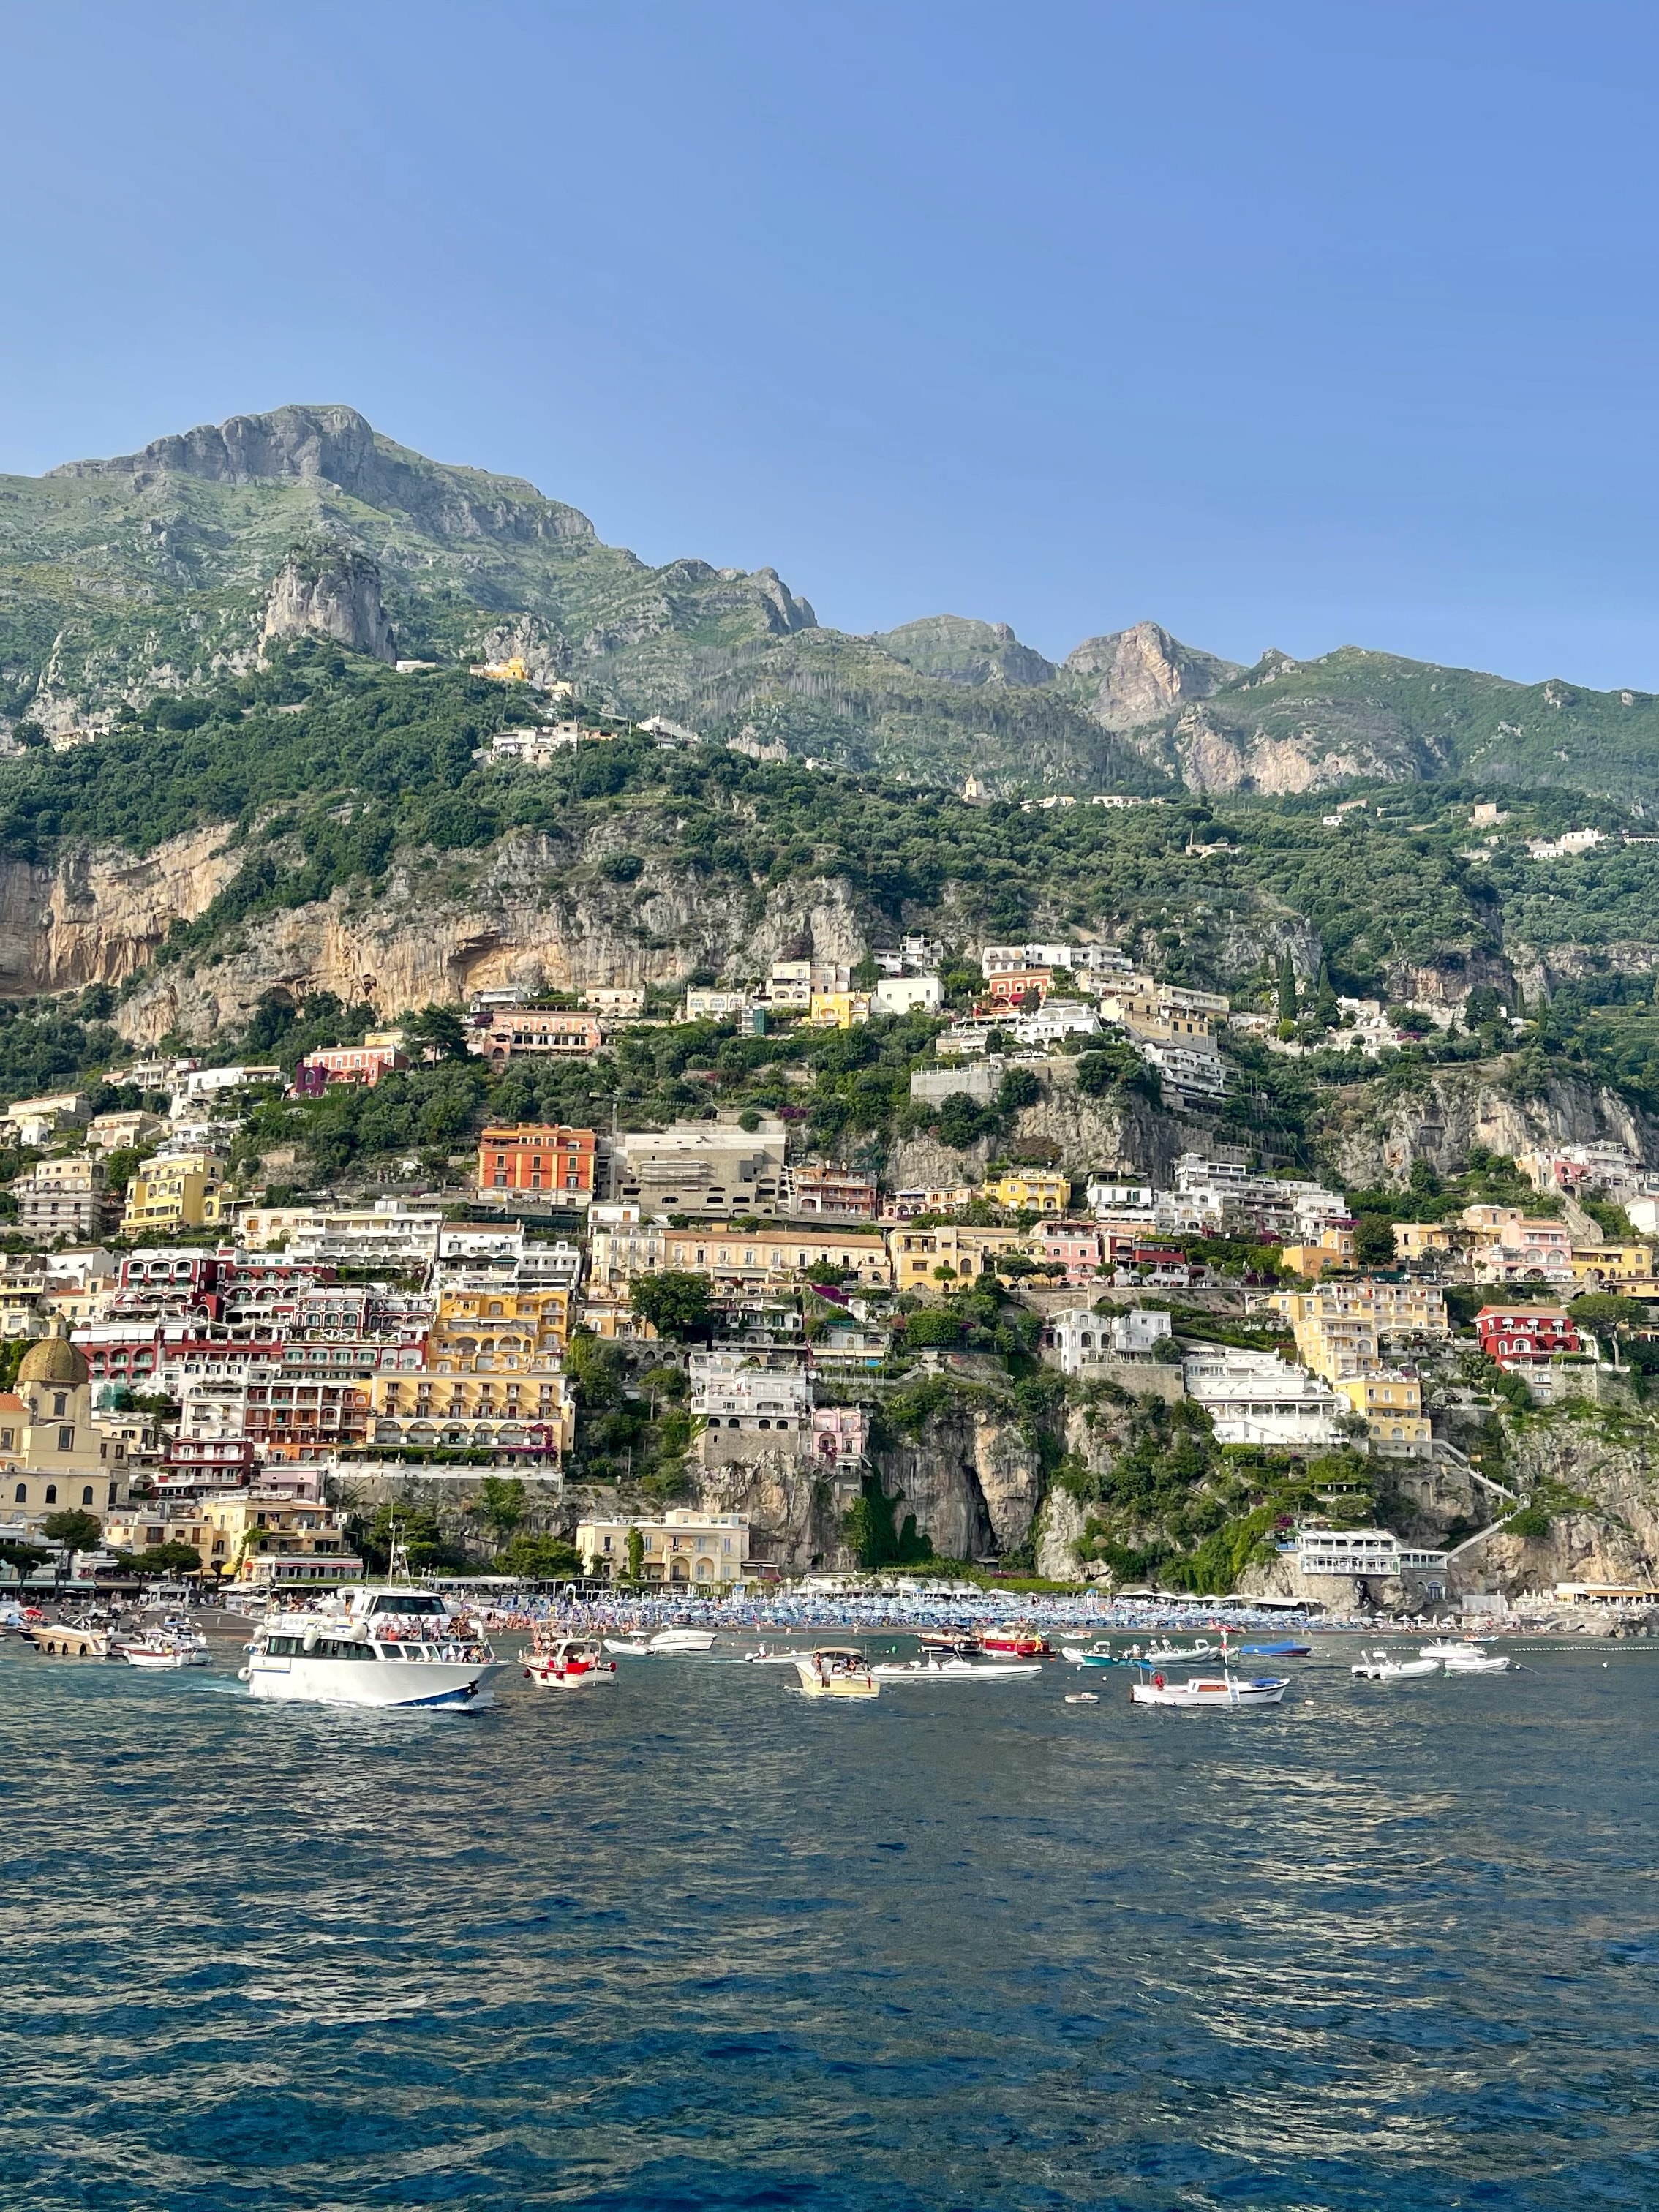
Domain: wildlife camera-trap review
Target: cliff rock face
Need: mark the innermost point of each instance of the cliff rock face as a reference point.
(966, 652)
(1137, 676)
(530, 638)
(1368, 1146)
(794, 1511)
(329, 590)
(438, 932)
(971, 1480)
(97, 917)
(1615, 1540)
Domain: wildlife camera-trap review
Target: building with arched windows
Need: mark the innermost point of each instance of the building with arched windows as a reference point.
(53, 1459)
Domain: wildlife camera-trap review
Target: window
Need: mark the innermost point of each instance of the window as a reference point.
(22, 1493)
(52, 1493)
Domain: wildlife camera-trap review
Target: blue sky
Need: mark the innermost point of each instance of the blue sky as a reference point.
(1280, 323)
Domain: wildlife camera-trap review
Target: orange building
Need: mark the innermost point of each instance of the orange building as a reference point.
(1009, 986)
(538, 1156)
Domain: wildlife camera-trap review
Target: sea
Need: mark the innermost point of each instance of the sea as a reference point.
(686, 1940)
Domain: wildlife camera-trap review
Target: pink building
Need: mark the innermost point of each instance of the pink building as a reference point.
(530, 1029)
(1074, 1245)
(346, 1063)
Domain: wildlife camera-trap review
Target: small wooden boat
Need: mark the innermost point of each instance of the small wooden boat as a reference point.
(835, 1671)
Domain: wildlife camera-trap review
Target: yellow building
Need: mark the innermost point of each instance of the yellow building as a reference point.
(175, 1190)
(526, 1415)
(755, 1258)
(1030, 1190)
(509, 1329)
(1332, 1255)
(918, 1254)
(838, 1010)
(252, 1538)
(1417, 1240)
(1626, 1268)
(700, 1549)
(52, 1460)
(1392, 1403)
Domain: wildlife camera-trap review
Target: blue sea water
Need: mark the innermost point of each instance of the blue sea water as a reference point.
(686, 1940)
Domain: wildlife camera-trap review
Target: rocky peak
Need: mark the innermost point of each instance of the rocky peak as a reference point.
(326, 589)
(1139, 675)
(334, 446)
(965, 651)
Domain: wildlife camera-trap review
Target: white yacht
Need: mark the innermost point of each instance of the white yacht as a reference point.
(391, 1646)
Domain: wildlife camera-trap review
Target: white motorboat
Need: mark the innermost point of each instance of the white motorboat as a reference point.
(636, 1644)
(934, 1669)
(1199, 1691)
(1379, 1666)
(762, 1657)
(567, 1662)
(835, 1671)
(390, 1646)
(1450, 1649)
(1476, 1662)
(161, 1649)
(683, 1639)
(1097, 1654)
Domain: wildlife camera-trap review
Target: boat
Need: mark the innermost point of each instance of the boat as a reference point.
(636, 1644)
(835, 1671)
(372, 1646)
(683, 1639)
(1450, 1649)
(567, 1662)
(1287, 1650)
(935, 1670)
(1223, 1690)
(160, 1649)
(762, 1657)
(1023, 1641)
(1475, 1661)
(1171, 1655)
(1096, 1655)
(1379, 1667)
(69, 1639)
(961, 1641)
(1081, 1697)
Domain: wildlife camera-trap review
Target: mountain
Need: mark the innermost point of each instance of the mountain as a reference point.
(169, 569)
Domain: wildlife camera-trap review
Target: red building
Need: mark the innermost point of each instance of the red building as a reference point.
(538, 1156)
(530, 1029)
(1008, 986)
(1519, 1335)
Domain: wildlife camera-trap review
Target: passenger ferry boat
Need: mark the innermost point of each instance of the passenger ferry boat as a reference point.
(392, 1646)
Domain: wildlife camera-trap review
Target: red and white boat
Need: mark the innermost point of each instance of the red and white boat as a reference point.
(1020, 1642)
(567, 1662)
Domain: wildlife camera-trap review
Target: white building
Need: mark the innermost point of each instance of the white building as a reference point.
(710, 1168)
(1104, 1197)
(1186, 1070)
(741, 1390)
(1081, 1337)
(695, 1548)
(907, 995)
(1256, 1398)
(1361, 1551)
(388, 1231)
(712, 1006)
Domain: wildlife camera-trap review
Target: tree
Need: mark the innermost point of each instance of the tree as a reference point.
(1373, 1240)
(933, 1327)
(1017, 1088)
(442, 1027)
(635, 1555)
(960, 1122)
(26, 1558)
(1286, 988)
(499, 1504)
(76, 1530)
(677, 1304)
(170, 1559)
(538, 1558)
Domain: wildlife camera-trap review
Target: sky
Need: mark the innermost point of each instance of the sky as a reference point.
(1282, 325)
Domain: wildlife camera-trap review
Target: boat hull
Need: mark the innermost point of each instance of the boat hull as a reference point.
(302, 1679)
(161, 1662)
(1215, 1696)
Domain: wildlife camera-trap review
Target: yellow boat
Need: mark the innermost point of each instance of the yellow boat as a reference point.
(835, 1671)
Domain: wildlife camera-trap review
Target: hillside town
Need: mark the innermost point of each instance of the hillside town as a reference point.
(214, 1376)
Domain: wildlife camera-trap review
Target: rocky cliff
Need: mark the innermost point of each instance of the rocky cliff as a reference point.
(531, 911)
(1134, 676)
(1373, 1135)
(328, 589)
(966, 652)
(98, 917)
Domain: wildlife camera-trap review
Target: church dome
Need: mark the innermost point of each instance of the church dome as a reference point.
(53, 1359)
